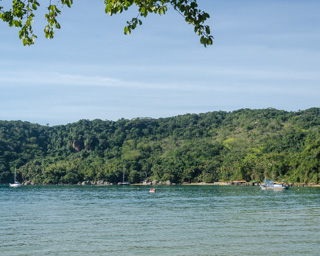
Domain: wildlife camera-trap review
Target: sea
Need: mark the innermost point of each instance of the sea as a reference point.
(176, 220)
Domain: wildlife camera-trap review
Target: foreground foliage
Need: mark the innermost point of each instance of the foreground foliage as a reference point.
(21, 14)
(244, 144)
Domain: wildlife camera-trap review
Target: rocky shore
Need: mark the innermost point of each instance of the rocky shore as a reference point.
(169, 183)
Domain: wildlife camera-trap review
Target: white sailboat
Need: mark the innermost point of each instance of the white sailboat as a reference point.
(15, 183)
(124, 182)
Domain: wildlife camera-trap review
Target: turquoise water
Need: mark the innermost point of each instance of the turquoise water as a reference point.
(176, 220)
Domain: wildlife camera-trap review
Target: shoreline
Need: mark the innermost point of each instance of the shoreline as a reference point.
(226, 184)
(167, 184)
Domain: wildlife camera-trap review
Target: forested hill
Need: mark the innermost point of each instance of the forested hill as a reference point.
(216, 146)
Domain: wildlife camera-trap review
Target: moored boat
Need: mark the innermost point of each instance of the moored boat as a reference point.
(272, 185)
(125, 183)
(15, 183)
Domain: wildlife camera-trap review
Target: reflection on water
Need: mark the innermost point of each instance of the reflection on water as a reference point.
(176, 220)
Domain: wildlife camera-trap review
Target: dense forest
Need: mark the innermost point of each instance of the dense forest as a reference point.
(216, 146)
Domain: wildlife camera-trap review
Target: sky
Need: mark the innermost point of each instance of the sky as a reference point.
(265, 54)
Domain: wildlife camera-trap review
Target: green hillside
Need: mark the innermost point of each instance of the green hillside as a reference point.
(216, 146)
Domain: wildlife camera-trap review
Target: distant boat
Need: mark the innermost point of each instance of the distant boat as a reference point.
(272, 185)
(152, 190)
(124, 182)
(15, 183)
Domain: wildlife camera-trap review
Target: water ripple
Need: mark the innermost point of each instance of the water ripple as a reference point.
(177, 220)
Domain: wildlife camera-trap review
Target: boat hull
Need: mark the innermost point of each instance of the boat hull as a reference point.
(274, 187)
(15, 185)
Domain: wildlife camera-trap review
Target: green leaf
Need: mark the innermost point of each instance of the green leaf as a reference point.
(127, 31)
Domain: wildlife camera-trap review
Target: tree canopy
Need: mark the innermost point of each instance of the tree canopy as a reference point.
(22, 12)
(215, 146)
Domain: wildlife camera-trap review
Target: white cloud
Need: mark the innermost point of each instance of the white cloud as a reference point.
(175, 78)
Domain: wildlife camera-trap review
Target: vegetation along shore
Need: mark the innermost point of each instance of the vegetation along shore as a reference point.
(192, 148)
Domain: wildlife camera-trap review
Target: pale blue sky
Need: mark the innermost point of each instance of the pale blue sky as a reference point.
(266, 53)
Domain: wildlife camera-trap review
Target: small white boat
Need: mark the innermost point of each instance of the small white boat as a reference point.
(272, 185)
(15, 183)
